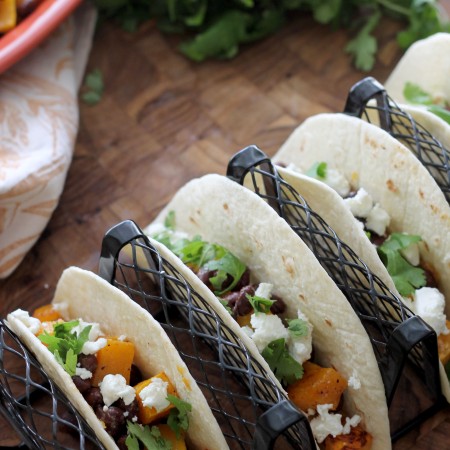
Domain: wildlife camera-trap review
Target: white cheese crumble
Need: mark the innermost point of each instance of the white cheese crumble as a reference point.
(90, 348)
(83, 373)
(114, 387)
(300, 348)
(327, 423)
(378, 220)
(264, 290)
(337, 181)
(429, 304)
(33, 324)
(354, 382)
(94, 333)
(267, 328)
(411, 254)
(360, 204)
(154, 395)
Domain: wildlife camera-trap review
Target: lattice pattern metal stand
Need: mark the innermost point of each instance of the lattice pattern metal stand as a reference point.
(369, 100)
(35, 407)
(397, 335)
(248, 406)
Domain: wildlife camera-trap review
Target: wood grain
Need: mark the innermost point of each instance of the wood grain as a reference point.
(164, 120)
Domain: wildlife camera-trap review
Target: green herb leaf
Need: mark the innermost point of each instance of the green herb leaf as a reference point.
(441, 112)
(150, 437)
(93, 87)
(318, 171)
(415, 94)
(406, 277)
(260, 304)
(169, 221)
(178, 419)
(225, 265)
(298, 328)
(283, 365)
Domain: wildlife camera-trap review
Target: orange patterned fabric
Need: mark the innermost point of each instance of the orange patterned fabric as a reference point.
(38, 127)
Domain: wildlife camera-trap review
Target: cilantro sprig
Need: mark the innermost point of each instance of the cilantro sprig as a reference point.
(318, 171)
(260, 304)
(298, 328)
(178, 419)
(65, 344)
(406, 277)
(149, 436)
(416, 95)
(283, 365)
(221, 27)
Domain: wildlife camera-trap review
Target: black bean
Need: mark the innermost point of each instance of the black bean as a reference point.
(279, 306)
(135, 375)
(231, 298)
(132, 409)
(205, 275)
(243, 306)
(88, 362)
(113, 419)
(82, 385)
(94, 397)
(121, 442)
(244, 280)
(430, 278)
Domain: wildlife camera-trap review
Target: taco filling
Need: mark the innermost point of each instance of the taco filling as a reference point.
(135, 412)
(399, 252)
(285, 343)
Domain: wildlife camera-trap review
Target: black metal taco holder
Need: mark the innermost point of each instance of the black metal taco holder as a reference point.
(252, 411)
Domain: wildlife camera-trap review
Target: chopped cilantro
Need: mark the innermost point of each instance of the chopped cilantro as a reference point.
(260, 304)
(66, 345)
(283, 365)
(415, 94)
(150, 437)
(406, 277)
(298, 328)
(93, 87)
(318, 170)
(178, 419)
(169, 221)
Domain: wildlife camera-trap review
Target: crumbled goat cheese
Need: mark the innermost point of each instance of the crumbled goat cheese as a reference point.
(328, 423)
(429, 304)
(264, 290)
(122, 337)
(33, 324)
(267, 328)
(411, 254)
(361, 204)
(90, 348)
(83, 373)
(300, 348)
(337, 181)
(155, 395)
(378, 220)
(114, 387)
(93, 334)
(354, 382)
(247, 330)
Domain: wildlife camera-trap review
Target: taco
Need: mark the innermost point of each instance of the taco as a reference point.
(117, 366)
(283, 305)
(399, 207)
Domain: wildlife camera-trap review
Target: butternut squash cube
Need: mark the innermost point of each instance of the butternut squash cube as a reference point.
(115, 358)
(8, 15)
(169, 434)
(150, 414)
(318, 386)
(357, 439)
(46, 313)
(444, 345)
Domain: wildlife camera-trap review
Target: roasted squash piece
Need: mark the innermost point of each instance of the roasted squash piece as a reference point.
(357, 439)
(46, 313)
(115, 358)
(444, 345)
(319, 386)
(148, 415)
(169, 434)
(244, 320)
(8, 15)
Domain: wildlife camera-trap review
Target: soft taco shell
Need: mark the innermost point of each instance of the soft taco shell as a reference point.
(82, 294)
(427, 64)
(223, 212)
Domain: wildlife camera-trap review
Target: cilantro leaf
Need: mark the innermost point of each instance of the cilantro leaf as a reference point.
(440, 111)
(150, 437)
(93, 87)
(260, 304)
(169, 221)
(317, 171)
(66, 345)
(298, 328)
(415, 94)
(406, 277)
(178, 419)
(283, 365)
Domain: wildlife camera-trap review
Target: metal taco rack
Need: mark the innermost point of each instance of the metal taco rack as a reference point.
(38, 411)
(369, 100)
(404, 345)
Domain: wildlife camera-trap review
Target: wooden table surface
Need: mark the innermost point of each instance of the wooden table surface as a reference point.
(164, 120)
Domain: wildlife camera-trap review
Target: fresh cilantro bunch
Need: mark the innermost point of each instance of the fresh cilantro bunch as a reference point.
(406, 277)
(65, 344)
(220, 27)
(416, 95)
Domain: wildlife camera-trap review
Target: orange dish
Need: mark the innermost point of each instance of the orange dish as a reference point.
(33, 29)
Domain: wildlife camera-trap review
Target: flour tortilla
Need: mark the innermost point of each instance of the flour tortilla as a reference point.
(370, 158)
(225, 213)
(82, 294)
(427, 64)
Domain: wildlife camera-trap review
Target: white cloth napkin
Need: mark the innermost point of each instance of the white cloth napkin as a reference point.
(38, 127)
